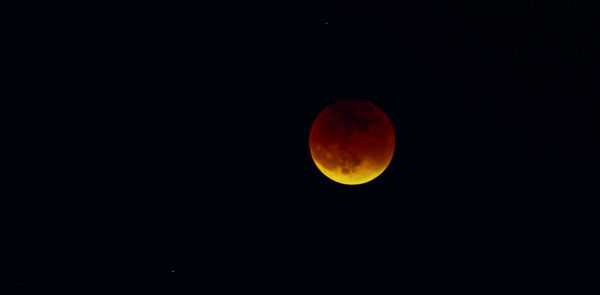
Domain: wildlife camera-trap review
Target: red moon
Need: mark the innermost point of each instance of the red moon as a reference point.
(352, 141)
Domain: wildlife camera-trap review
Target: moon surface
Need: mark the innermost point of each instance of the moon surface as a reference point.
(352, 141)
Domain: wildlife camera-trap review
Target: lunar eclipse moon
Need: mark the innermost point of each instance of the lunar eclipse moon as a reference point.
(352, 141)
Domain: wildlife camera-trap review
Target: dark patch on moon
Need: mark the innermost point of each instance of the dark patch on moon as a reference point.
(332, 158)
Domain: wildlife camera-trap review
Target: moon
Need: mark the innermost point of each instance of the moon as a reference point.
(352, 141)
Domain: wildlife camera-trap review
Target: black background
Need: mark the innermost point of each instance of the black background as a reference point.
(164, 147)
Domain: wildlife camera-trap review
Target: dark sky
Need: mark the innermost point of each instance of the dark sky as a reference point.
(164, 147)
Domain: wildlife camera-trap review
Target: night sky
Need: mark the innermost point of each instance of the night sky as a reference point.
(164, 148)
